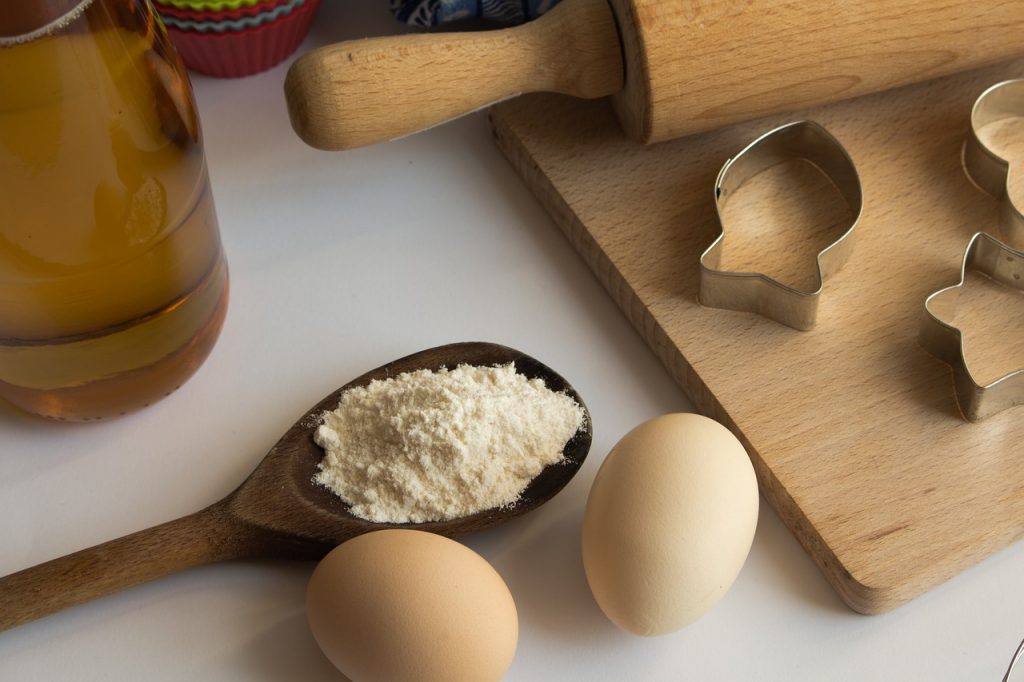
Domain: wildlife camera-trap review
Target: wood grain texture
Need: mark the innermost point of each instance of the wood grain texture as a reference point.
(204, 537)
(696, 65)
(367, 91)
(278, 512)
(853, 428)
(690, 65)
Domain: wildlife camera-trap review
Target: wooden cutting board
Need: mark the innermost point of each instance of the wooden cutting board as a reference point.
(852, 427)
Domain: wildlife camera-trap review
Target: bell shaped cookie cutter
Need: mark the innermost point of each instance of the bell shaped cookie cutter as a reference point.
(756, 292)
(990, 257)
(986, 169)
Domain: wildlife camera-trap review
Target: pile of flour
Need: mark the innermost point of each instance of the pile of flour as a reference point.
(432, 446)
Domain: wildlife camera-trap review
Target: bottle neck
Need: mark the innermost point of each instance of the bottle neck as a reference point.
(20, 17)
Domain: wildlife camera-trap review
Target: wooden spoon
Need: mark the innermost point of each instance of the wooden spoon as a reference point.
(278, 512)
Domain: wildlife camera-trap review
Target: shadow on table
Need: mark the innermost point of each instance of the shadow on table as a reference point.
(287, 651)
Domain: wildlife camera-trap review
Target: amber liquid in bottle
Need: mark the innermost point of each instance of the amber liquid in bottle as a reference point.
(113, 285)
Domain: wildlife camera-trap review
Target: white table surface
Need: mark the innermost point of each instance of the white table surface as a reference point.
(339, 263)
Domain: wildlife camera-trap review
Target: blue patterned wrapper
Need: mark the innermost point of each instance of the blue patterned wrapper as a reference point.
(433, 12)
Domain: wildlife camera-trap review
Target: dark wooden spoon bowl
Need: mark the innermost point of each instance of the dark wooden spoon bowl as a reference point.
(278, 512)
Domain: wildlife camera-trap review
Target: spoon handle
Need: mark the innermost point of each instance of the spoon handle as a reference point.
(206, 536)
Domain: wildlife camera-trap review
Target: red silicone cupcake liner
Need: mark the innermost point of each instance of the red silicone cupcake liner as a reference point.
(242, 53)
(219, 15)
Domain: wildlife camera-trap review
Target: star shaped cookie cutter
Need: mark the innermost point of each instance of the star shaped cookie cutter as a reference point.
(756, 292)
(990, 257)
(986, 169)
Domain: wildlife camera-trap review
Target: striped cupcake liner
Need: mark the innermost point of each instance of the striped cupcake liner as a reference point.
(239, 24)
(217, 15)
(232, 54)
(215, 5)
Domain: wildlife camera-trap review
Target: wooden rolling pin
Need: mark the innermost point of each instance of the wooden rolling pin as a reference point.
(673, 67)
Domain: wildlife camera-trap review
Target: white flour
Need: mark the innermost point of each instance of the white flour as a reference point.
(432, 446)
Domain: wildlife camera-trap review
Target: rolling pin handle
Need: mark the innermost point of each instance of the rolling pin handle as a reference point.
(362, 92)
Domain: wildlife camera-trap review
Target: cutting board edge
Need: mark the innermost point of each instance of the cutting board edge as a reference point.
(859, 596)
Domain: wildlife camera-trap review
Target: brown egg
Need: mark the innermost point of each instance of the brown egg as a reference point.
(399, 605)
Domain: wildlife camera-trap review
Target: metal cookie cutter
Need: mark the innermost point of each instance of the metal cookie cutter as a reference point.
(755, 292)
(1017, 656)
(990, 257)
(986, 169)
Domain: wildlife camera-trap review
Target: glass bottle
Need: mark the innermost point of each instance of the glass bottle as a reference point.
(113, 285)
